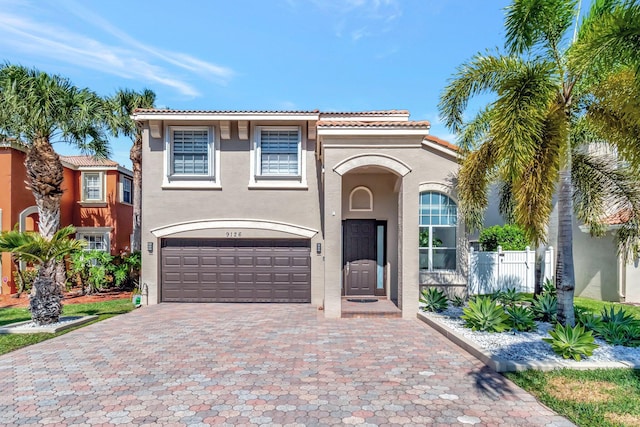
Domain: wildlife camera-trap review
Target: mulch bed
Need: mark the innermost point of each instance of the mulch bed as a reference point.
(73, 297)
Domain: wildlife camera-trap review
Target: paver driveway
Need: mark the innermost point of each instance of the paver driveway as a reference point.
(261, 364)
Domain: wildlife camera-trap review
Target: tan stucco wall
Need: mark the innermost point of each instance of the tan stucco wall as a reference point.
(163, 207)
(425, 166)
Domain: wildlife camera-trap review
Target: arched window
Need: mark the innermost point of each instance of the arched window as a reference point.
(361, 199)
(438, 225)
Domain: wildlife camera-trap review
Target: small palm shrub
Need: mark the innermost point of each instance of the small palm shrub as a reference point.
(546, 308)
(434, 300)
(571, 342)
(457, 301)
(510, 297)
(484, 314)
(520, 318)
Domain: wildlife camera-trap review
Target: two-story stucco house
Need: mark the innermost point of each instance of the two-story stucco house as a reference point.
(97, 199)
(296, 206)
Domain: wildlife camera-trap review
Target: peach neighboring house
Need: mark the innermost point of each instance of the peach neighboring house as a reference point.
(97, 200)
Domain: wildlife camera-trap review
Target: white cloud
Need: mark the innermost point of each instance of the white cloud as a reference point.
(360, 18)
(131, 59)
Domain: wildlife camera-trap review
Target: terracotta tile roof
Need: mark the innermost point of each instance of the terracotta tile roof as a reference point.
(88, 161)
(618, 218)
(381, 124)
(365, 113)
(442, 142)
(167, 111)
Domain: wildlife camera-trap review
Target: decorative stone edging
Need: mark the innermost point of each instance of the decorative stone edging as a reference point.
(503, 365)
(65, 323)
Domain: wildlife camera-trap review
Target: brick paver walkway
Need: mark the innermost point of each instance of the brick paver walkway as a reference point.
(261, 364)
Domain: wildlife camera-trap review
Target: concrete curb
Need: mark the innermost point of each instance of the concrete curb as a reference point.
(70, 322)
(503, 365)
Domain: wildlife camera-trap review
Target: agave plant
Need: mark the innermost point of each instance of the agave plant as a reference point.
(434, 300)
(620, 317)
(546, 308)
(520, 318)
(510, 297)
(484, 314)
(571, 342)
(627, 335)
(457, 301)
(589, 321)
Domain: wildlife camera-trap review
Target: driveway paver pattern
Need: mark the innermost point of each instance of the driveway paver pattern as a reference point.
(256, 364)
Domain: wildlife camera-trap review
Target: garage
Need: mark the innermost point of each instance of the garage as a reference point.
(236, 270)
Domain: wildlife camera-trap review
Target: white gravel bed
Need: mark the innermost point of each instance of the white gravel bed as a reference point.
(528, 346)
(62, 322)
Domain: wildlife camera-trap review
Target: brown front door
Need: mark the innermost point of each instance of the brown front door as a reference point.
(360, 256)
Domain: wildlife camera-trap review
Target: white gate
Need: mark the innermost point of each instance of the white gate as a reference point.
(493, 271)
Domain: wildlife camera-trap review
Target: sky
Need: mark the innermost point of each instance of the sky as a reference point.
(330, 55)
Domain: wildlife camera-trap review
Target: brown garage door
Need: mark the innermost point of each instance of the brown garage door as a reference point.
(223, 270)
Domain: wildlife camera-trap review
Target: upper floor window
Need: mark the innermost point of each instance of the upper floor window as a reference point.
(438, 227)
(278, 151)
(92, 186)
(191, 157)
(127, 189)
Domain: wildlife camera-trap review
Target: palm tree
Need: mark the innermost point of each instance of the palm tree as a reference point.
(124, 103)
(46, 297)
(38, 109)
(536, 138)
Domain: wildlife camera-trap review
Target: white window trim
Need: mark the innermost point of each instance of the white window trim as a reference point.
(360, 188)
(121, 189)
(438, 188)
(257, 181)
(103, 181)
(105, 232)
(209, 181)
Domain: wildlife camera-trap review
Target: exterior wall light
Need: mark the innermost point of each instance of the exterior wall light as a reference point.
(150, 247)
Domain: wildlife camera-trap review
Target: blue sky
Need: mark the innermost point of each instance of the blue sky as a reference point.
(331, 55)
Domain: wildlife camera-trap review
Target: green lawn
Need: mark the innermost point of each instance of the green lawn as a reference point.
(597, 306)
(603, 397)
(103, 310)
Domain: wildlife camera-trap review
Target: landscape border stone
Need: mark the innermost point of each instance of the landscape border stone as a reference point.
(65, 323)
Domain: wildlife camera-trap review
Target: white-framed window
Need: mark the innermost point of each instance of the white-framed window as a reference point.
(278, 152)
(126, 189)
(93, 186)
(191, 157)
(438, 228)
(97, 238)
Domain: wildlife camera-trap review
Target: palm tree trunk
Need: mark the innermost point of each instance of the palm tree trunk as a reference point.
(565, 277)
(46, 299)
(136, 159)
(45, 174)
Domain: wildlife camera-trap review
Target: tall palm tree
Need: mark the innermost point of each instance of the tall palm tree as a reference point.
(536, 138)
(124, 103)
(39, 109)
(46, 300)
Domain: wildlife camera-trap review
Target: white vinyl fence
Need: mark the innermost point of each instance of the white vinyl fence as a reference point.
(493, 271)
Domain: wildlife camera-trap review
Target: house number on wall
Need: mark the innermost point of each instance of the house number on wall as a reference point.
(234, 234)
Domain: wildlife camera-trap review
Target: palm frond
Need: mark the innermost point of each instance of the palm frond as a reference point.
(602, 186)
(538, 23)
(475, 131)
(481, 74)
(474, 178)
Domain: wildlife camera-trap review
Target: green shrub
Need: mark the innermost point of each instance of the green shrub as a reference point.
(433, 300)
(24, 278)
(457, 301)
(627, 335)
(510, 297)
(484, 314)
(572, 342)
(520, 318)
(545, 308)
(548, 287)
(510, 237)
(589, 321)
(620, 317)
